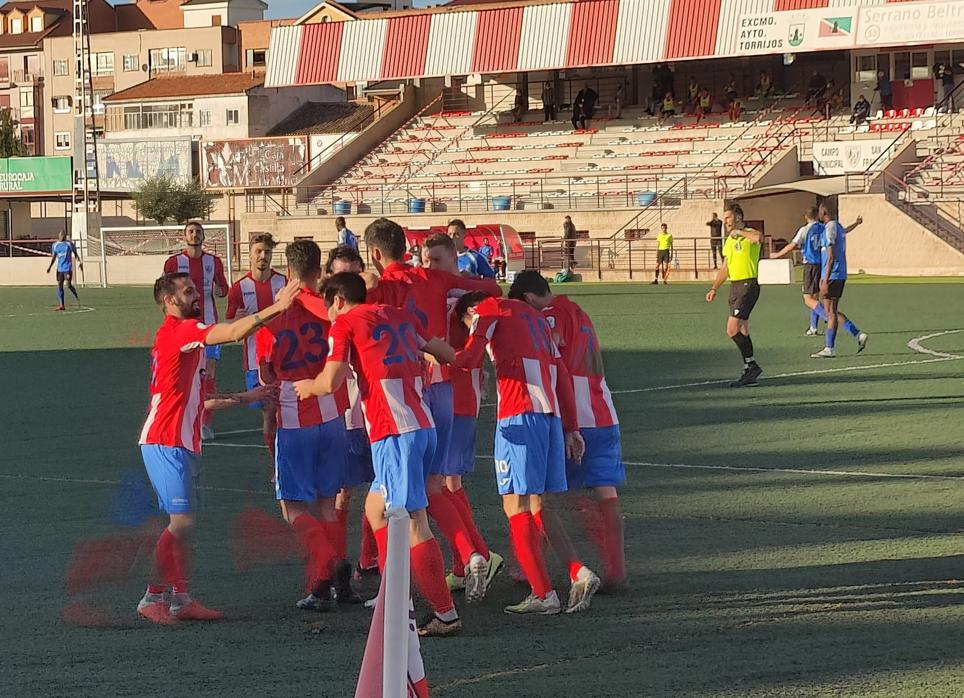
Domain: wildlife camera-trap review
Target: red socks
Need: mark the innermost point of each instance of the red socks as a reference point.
(381, 541)
(550, 526)
(320, 554)
(443, 511)
(368, 556)
(614, 551)
(461, 502)
(341, 541)
(428, 570)
(171, 561)
(528, 548)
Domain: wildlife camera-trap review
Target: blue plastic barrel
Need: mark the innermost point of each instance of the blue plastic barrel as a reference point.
(342, 207)
(416, 205)
(645, 198)
(501, 203)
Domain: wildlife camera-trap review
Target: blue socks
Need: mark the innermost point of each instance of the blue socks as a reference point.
(851, 328)
(831, 337)
(60, 294)
(814, 318)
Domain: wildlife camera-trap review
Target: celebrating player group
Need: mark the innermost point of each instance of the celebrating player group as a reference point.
(376, 381)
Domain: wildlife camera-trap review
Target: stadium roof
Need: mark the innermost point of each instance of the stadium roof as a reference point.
(513, 37)
(822, 186)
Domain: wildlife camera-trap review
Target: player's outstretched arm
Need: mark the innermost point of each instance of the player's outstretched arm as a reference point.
(225, 332)
(487, 286)
(754, 236)
(80, 262)
(223, 402)
(787, 249)
(331, 378)
(440, 350)
(860, 219)
(718, 281)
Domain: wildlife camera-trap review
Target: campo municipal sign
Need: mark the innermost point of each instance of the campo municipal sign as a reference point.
(37, 174)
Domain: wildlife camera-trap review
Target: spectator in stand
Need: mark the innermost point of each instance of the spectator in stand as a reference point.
(861, 111)
(885, 89)
(569, 243)
(764, 87)
(736, 109)
(705, 105)
(415, 253)
(549, 101)
(665, 79)
(498, 261)
(816, 89)
(486, 250)
(615, 109)
(716, 237)
(692, 96)
(731, 92)
(578, 111)
(669, 108)
(834, 99)
(944, 82)
(520, 107)
(346, 238)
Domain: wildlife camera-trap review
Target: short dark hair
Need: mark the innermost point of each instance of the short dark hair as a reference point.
(340, 221)
(387, 237)
(813, 212)
(528, 281)
(189, 224)
(166, 285)
(346, 253)
(469, 300)
(735, 209)
(830, 209)
(439, 240)
(304, 258)
(458, 223)
(266, 238)
(345, 285)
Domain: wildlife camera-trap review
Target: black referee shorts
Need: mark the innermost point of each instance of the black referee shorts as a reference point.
(663, 256)
(811, 280)
(743, 297)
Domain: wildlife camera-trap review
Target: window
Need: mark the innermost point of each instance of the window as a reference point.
(920, 68)
(16, 26)
(231, 117)
(61, 104)
(131, 63)
(60, 68)
(62, 140)
(154, 116)
(36, 24)
(26, 135)
(204, 118)
(257, 57)
(98, 105)
(163, 60)
(26, 98)
(204, 58)
(102, 63)
(866, 68)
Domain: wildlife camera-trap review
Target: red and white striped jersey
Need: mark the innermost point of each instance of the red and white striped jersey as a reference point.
(251, 296)
(298, 352)
(576, 338)
(466, 382)
(207, 273)
(384, 350)
(530, 374)
(177, 371)
(354, 415)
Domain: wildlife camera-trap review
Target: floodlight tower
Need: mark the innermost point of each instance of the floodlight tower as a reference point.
(86, 218)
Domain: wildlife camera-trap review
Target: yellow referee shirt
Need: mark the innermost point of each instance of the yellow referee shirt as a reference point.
(664, 241)
(742, 257)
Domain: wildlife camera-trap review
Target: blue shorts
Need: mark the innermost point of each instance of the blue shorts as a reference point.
(310, 461)
(399, 463)
(252, 380)
(602, 466)
(173, 472)
(441, 403)
(461, 457)
(358, 470)
(530, 454)
(213, 352)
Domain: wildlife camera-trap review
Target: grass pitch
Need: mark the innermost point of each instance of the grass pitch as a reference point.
(800, 538)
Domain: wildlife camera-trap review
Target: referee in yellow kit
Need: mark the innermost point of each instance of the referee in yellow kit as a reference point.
(741, 260)
(664, 254)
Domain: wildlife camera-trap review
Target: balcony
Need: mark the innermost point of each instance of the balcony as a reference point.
(25, 77)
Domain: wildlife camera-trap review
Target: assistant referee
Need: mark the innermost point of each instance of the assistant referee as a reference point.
(741, 260)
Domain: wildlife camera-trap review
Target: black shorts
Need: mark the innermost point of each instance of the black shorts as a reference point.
(664, 256)
(743, 296)
(811, 280)
(716, 243)
(65, 277)
(835, 289)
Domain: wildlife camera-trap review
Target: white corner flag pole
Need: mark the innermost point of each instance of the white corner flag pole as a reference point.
(397, 602)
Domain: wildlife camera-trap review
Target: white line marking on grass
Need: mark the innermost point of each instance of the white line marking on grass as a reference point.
(796, 471)
(915, 345)
(230, 445)
(51, 312)
(233, 432)
(89, 481)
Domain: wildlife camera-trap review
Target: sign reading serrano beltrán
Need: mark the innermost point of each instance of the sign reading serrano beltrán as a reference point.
(912, 23)
(796, 31)
(39, 174)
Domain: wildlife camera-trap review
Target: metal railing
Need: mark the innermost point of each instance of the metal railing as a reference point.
(918, 203)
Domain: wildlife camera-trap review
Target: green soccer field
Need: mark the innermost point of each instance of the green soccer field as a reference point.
(800, 538)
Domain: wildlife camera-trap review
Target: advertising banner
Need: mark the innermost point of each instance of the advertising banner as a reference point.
(797, 31)
(836, 158)
(255, 163)
(911, 23)
(36, 174)
(124, 165)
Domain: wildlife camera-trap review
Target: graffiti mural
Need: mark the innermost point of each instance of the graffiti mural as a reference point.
(257, 163)
(124, 165)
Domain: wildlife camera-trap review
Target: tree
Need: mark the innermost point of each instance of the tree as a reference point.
(10, 143)
(162, 199)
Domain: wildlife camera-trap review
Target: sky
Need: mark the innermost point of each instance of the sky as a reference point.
(296, 8)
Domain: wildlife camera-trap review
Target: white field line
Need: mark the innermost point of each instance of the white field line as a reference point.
(67, 313)
(88, 481)
(796, 471)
